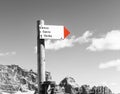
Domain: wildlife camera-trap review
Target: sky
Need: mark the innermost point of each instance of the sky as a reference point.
(90, 54)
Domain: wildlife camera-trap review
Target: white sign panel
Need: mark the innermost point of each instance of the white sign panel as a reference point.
(51, 32)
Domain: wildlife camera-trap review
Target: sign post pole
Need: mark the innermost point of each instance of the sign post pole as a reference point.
(46, 32)
(40, 57)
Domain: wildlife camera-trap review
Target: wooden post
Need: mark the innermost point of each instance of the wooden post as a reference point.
(40, 57)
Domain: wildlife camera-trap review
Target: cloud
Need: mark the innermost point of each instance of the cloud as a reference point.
(8, 54)
(110, 64)
(84, 38)
(110, 41)
(60, 44)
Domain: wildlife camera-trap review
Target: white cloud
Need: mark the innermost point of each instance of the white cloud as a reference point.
(8, 54)
(84, 38)
(59, 44)
(111, 41)
(110, 64)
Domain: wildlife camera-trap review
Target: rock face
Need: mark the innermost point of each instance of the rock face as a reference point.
(100, 90)
(85, 89)
(14, 78)
(69, 85)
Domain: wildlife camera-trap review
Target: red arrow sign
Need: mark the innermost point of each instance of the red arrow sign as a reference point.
(66, 32)
(53, 32)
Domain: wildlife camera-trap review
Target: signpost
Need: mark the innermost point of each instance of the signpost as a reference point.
(53, 32)
(46, 32)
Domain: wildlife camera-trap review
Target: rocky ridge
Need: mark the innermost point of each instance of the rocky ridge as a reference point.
(15, 79)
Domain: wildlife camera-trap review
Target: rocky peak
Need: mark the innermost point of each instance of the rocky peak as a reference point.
(69, 81)
(12, 77)
(70, 85)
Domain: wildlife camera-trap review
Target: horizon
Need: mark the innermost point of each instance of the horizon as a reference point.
(90, 54)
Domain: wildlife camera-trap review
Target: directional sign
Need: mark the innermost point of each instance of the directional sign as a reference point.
(53, 32)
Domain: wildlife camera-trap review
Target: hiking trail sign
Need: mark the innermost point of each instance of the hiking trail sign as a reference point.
(53, 32)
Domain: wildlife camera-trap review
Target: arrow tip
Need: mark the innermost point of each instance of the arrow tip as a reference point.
(66, 32)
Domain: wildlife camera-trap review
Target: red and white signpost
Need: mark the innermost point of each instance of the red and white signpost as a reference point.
(53, 32)
(46, 32)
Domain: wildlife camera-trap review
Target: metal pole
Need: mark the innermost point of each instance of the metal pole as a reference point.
(40, 57)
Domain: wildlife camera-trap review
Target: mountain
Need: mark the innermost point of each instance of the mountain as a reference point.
(14, 78)
(71, 87)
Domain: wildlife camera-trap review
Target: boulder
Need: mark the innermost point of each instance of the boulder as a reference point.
(69, 85)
